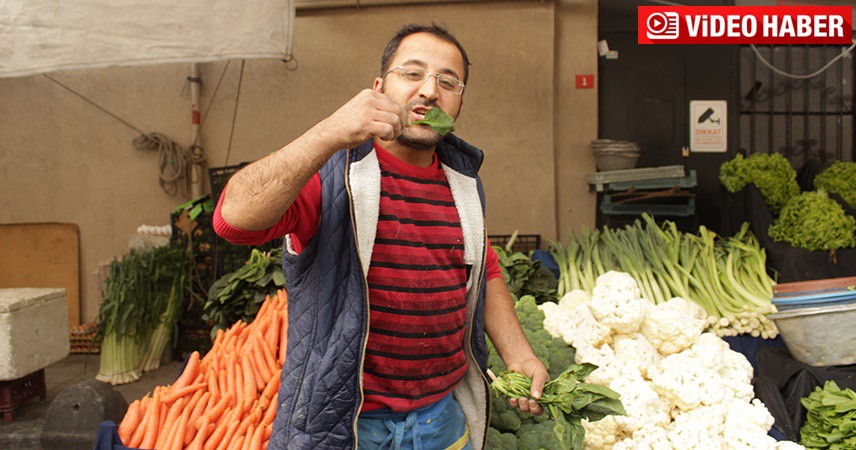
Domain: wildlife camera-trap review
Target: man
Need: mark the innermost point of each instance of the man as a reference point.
(391, 280)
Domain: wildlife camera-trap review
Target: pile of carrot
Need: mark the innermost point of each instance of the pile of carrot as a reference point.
(224, 401)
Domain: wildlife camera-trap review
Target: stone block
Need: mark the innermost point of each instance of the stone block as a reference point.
(33, 330)
(77, 412)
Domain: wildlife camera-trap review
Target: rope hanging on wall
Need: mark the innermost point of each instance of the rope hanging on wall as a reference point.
(174, 160)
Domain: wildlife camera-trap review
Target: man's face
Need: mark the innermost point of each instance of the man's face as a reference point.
(437, 56)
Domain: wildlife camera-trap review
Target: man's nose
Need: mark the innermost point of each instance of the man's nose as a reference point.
(429, 88)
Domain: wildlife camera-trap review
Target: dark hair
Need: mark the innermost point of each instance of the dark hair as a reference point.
(435, 29)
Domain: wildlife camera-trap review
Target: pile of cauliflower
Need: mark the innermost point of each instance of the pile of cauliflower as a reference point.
(683, 388)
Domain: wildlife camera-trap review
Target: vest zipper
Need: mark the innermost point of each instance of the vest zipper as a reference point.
(366, 284)
(470, 338)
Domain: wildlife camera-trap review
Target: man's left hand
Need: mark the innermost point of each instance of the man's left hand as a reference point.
(533, 368)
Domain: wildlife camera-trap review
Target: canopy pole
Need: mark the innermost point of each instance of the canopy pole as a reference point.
(197, 166)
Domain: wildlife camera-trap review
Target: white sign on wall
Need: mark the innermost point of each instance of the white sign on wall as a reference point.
(709, 126)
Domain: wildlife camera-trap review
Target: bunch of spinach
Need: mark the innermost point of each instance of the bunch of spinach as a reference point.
(831, 418)
(438, 120)
(567, 399)
(526, 277)
(240, 294)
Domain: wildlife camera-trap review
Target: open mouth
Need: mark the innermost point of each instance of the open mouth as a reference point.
(418, 113)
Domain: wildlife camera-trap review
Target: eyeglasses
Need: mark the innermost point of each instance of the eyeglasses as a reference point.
(418, 74)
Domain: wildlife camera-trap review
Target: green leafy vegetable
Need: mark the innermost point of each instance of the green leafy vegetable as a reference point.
(240, 294)
(771, 173)
(813, 221)
(525, 276)
(438, 120)
(831, 418)
(839, 178)
(567, 399)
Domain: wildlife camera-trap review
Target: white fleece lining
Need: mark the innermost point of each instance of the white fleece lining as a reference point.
(364, 178)
(471, 392)
(289, 245)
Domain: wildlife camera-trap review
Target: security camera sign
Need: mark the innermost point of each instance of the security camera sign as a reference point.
(709, 126)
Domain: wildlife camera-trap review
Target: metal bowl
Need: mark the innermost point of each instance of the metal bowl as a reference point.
(821, 335)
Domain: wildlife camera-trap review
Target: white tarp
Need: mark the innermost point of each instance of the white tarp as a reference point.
(39, 36)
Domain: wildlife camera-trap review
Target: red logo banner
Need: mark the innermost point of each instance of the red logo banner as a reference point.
(744, 25)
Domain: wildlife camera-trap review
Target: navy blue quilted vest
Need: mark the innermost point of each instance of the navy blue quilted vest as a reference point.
(319, 398)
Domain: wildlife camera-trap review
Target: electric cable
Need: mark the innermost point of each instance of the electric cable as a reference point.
(843, 53)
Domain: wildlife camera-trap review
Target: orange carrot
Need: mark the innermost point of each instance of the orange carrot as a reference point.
(256, 443)
(177, 442)
(140, 430)
(170, 424)
(204, 430)
(130, 422)
(283, 337)
(164, 408)
(221, 383)
(239, 384)
(268, 431)
(213, 388)
(271, 335)
(214, 413)
(257, 356)
(227, 438)
(201, 405)
(255, 366)
(249, 438)
(270, 390)
(270, 412)
(191, 369)
(250, 391)
(268, 357)
(217, 436)
(237, 443)
(179, 393)
(230, 376)
(152, 422)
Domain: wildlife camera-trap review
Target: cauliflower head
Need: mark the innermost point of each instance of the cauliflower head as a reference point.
(634, 351)
(699, 429)
(616, 302)
(641, 403)
(747, 424)
(671, 330)
(604, 358)
(580, 328)
(648, 438)
(600, 435)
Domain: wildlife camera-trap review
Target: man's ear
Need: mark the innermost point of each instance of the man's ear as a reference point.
(377, 86)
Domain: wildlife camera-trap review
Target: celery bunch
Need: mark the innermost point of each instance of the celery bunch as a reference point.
(726, 276)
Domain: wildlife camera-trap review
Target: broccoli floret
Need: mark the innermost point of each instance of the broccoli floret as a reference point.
(554, 352)
(547, 435)
(771, 173)
(503, 417)
(531, 318)
(813, 221)
(839, 178)
(497, 440)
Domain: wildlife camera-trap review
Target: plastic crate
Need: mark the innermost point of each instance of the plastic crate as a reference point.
(608, 207)
(524, 243)
(600, 179)
(219, 176)
(230, 257)
(689, 181)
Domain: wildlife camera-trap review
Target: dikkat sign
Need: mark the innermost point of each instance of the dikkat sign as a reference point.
(708, 126)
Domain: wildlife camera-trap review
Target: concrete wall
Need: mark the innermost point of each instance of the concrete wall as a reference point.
(63, 160)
